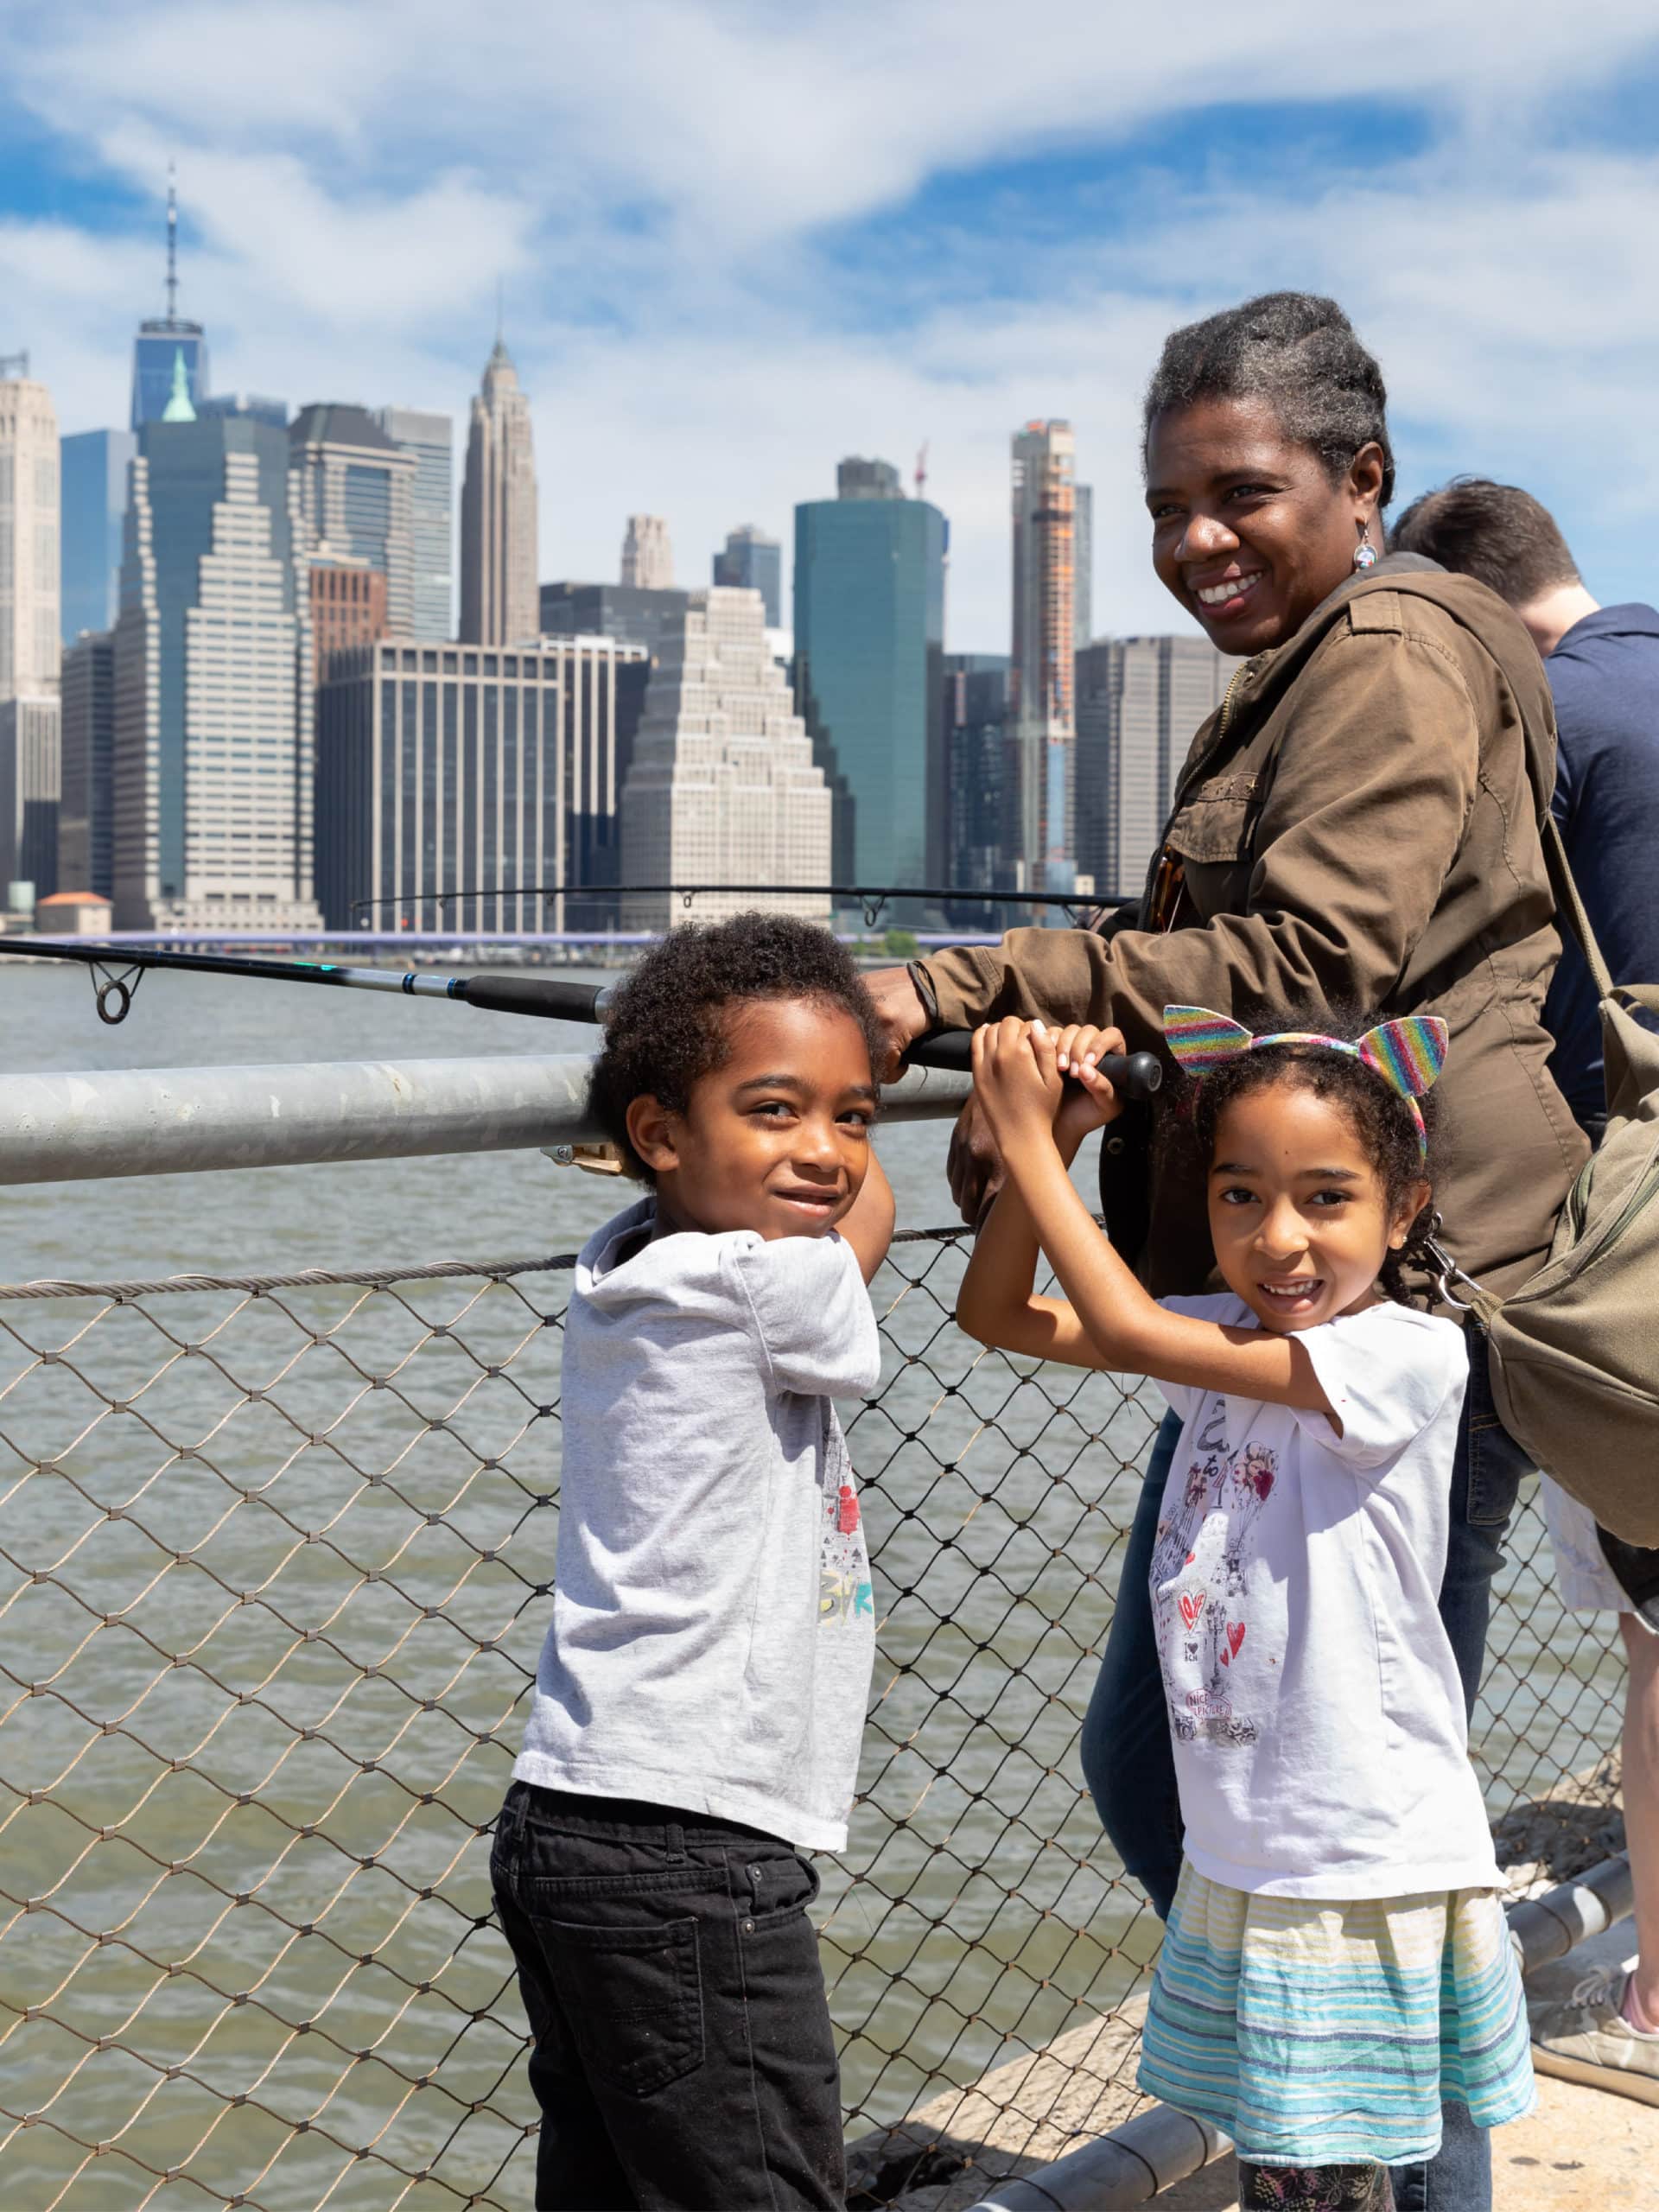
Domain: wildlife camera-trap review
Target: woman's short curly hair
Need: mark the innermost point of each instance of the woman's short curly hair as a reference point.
(1379, 1116)
(667, 1027)
(1296, 351)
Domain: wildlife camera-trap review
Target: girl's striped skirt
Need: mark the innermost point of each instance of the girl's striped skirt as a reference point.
(1321, 2032)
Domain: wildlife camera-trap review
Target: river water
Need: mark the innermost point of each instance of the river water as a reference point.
(275, 1672)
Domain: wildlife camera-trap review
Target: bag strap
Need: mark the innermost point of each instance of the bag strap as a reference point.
(1570, 906)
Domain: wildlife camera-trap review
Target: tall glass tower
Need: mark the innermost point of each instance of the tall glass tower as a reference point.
(164, 342)
(869, 646)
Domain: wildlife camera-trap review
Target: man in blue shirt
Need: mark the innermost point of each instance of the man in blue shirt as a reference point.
(1603, 664)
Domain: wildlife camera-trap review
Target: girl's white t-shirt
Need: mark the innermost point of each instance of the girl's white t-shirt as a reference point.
(1315, 1705)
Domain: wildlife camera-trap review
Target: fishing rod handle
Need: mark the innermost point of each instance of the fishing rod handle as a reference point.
(1132, 1075)
(550, 996)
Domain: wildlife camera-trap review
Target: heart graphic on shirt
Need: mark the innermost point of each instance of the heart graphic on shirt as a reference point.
(1192, 1607)
(1235, 1637)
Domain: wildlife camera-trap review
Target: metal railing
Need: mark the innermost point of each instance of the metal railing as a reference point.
(275, 1561)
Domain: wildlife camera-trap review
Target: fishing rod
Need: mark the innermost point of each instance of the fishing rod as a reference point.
(1137, 1074)
(869, 897)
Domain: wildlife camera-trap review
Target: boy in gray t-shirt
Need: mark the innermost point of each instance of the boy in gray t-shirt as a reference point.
(701, 1690)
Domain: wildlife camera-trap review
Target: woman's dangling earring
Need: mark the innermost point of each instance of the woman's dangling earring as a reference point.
(1364, 552)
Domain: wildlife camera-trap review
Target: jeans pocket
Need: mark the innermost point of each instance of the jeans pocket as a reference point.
(782, 1887)
(633, 1998)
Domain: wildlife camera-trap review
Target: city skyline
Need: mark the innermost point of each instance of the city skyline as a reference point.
(963, 237)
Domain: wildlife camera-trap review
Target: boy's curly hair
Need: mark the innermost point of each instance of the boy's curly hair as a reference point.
(665, 1028)
(1380, 1117)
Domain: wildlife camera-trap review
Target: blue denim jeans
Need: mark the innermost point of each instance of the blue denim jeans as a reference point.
(1130, 1770)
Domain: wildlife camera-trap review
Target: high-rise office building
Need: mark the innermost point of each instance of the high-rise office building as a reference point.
(1140, 704)
(975, 714)
(498, 512)
(29, 785)
(445, 768)
(1043, 730)
(29, 639)
(348, 608)
(431, 438)
(723, 788)
(1082, 564)
(254, 404)
(869, 645)
(169, 348)
(356, 494)
(85, 822)
(647, 556)
(212, 777)
(93, 477)
(859, 479)
(753, 561)
(626, 611)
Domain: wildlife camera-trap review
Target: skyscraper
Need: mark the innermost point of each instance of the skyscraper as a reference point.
(869, 644)
(1045, 640)
(1140, 703)
(431, 438)
(632, 616)
(258, 404)
(212, 776)
(94, 499)
(356, 495)
(975, 711)
(723, 788)
(647, 556)
(30, 773)
(29, 639)
(168, 346)
(450, 768)
(84, 806)
(348, 608)
(498, 512)
(1083, 565)
(753, 561)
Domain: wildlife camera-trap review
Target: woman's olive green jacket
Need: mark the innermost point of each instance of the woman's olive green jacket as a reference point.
(1357, 829)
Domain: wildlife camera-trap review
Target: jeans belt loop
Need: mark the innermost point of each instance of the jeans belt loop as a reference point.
(675, 1840)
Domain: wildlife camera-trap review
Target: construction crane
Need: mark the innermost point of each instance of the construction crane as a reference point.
(921, 470)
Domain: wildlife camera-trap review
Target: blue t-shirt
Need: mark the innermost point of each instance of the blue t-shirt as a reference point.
(1605, 676)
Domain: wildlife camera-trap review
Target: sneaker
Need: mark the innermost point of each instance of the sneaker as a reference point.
(1586, 2037)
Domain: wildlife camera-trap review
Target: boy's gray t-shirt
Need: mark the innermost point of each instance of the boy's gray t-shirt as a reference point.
(714, 1629)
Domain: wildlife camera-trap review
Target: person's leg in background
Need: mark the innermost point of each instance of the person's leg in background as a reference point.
(1125, 1748)
(1641, 1777)
(1607, 2031)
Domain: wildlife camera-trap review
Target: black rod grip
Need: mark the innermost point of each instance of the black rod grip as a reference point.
(1133, 1075)
(547, 995)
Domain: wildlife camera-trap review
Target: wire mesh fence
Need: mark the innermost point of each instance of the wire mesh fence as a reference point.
(275, 1563)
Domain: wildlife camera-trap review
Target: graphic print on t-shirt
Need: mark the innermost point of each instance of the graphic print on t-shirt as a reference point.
(1206, 1539)
(844, 1587)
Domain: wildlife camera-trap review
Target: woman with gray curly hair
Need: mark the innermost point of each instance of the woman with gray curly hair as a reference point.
(1355, 831)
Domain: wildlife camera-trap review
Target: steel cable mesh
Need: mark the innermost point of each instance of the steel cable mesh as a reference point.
(275, 1558)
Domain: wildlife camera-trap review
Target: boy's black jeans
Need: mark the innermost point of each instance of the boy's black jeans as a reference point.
(682, 2058)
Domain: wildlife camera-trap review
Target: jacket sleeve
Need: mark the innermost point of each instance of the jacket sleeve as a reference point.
(1373, 778)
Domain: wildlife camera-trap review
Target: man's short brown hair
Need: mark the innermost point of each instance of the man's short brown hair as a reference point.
(1496, 532)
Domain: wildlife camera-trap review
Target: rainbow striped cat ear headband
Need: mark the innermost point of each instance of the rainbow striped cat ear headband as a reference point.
(1407, 1054)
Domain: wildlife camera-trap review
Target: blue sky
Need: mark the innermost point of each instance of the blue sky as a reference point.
(737, 241)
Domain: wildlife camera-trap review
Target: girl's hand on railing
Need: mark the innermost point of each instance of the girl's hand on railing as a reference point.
(1017, 1081)
(1088, 1101)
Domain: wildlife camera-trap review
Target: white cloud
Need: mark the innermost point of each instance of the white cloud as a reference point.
(654, 180)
